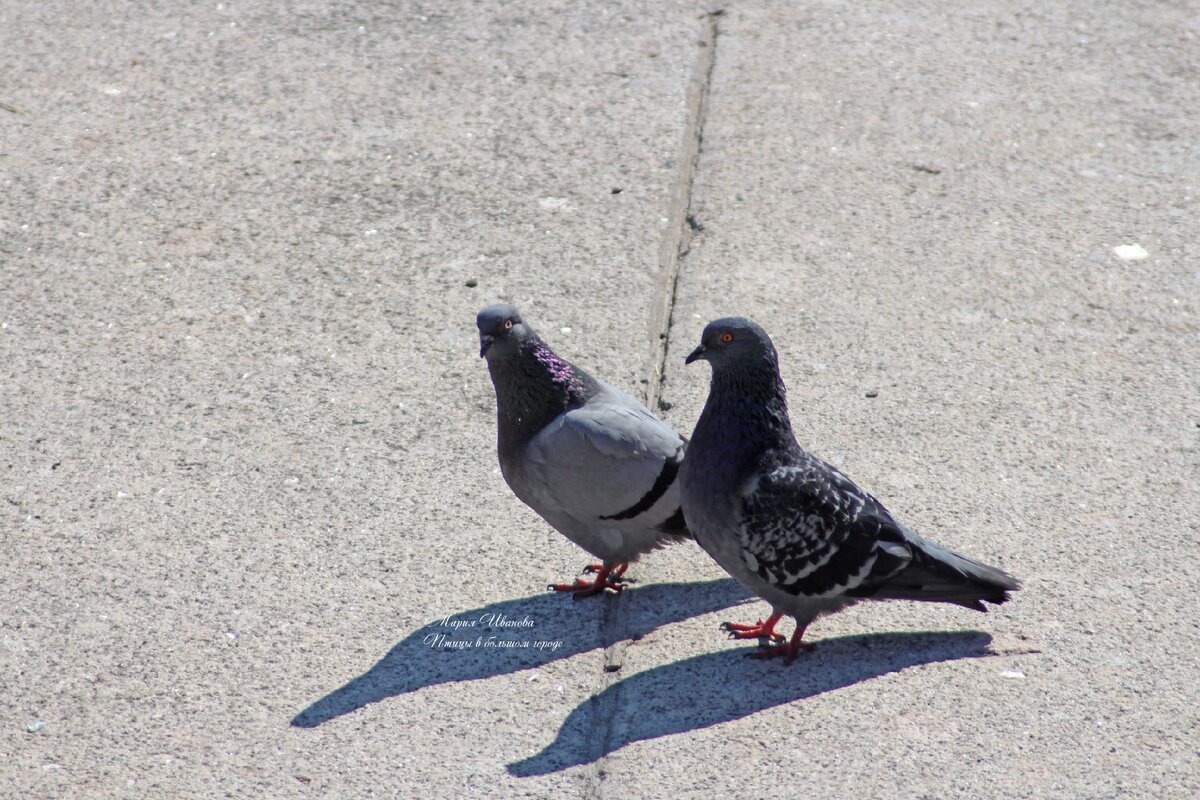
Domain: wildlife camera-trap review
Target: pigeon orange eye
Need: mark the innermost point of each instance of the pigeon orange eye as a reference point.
(508, 324)
(726, 337)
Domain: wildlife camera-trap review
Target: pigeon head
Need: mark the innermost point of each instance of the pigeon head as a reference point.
(501, 330)
(734, 340)
(533, 384)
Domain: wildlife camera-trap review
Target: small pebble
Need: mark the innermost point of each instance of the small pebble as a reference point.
(472, 283)
(1131, 252)
(34, 727)
(873, 393)
(1011, 673)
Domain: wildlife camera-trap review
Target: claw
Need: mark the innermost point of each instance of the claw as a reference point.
(761, 630)
(617, 571)
(788, 651)
(606, 578)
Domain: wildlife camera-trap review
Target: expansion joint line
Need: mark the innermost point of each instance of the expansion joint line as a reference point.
(682, 225)
(676, 241)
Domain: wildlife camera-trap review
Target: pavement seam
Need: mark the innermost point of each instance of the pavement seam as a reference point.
(681, 229)
(682, 225)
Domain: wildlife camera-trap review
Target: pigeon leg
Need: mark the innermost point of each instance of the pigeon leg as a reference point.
(760, 630)
(604, 580)
(788, 651)
(617, 571)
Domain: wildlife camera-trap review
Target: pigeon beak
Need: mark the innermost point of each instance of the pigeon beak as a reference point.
(485, 341)
(696, 354)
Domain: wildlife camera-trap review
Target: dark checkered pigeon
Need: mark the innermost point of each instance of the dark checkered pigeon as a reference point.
(786, 524)
(588, 458)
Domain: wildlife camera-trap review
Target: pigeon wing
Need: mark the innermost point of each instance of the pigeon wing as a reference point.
(808, 530)
(610, 460)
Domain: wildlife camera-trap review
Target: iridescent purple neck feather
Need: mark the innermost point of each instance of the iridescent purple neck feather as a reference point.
(533, 386)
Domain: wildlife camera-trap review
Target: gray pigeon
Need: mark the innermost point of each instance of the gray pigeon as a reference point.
(790, 527)
(588, 458)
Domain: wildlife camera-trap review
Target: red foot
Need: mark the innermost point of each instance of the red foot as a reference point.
(788, 651)
(761, 630)
(606, 578)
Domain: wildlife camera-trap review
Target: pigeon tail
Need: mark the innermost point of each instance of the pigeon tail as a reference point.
(676, 526)
(937, 575)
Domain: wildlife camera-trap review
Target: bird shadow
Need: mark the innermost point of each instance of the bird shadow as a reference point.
(723, 686)
(519, 634)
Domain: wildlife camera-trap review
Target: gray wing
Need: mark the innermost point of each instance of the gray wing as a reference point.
(806, 529)
(608, 460)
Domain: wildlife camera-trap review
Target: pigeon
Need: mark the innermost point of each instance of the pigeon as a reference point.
(788, 526)
(589, 459)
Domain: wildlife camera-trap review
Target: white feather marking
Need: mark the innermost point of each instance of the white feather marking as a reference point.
(810, 569)
(851, 582)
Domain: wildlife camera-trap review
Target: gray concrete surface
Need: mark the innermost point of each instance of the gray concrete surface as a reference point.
(247, 443)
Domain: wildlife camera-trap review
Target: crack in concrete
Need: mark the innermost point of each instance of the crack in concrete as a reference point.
(683, 224)
(682, 227)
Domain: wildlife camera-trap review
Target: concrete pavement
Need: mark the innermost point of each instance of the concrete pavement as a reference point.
(251, 506)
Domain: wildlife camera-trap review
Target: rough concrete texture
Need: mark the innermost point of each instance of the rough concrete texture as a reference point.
(247, 444)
